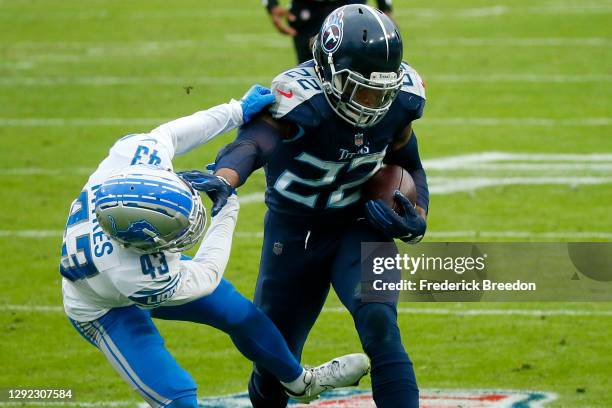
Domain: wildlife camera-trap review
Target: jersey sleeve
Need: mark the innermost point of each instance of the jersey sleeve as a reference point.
(158, 147)
(163, 278)
(294, 90)
(412, 93)
(204, 272)
(184, 134)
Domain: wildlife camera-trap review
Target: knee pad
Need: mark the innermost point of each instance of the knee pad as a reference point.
(184, 402)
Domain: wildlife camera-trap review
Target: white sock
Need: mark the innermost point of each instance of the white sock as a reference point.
(298, 385)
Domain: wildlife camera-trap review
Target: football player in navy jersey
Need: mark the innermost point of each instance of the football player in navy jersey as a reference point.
(336, 120)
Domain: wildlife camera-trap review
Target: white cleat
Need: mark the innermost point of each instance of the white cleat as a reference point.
(340, 372)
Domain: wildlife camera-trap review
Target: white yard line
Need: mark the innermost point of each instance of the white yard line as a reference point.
(53, 122)
(488, 312)
(457, 121)
(449, 185)
(419, 13)
(472, 161)
(239, 80)
(453, 162)
(563, 235)
(545, 122)
(73, 404)
(136, 80)
(404, 310)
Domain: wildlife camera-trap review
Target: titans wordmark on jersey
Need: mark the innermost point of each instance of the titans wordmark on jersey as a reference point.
(320, 169)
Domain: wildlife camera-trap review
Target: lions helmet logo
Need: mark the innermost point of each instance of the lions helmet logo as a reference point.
(142, 231)
(332, 31)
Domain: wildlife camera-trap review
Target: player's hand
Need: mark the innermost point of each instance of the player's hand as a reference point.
(278, 15)
(409, 227)
(256, 98)
(215, 187)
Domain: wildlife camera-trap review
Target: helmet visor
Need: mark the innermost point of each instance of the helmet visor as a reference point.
(368, 93)
(363, 101)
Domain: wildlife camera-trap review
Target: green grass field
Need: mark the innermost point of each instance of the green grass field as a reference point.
(532, 79)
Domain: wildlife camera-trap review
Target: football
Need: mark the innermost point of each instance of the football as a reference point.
(384, 183)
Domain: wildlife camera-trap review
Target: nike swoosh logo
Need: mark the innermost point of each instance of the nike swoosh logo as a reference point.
(285, 94)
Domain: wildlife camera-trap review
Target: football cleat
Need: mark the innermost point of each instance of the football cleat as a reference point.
(340, 372)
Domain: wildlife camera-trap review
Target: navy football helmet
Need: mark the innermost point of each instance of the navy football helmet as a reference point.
(358, 57)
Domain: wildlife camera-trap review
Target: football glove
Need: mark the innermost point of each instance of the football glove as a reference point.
(256, 98)
(215, 187)
(409, 227)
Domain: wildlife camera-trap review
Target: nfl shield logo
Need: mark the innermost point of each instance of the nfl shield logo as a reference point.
(359, 139)
(278, 248)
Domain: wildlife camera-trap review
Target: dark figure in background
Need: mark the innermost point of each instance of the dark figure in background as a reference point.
(304, 18)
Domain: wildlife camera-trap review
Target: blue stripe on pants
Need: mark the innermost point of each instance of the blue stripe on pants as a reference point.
(131, 343)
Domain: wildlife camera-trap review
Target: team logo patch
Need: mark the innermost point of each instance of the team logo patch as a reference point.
(332, 31)
(429, 399)
(277, 249)
(359, 139)
(136, 231)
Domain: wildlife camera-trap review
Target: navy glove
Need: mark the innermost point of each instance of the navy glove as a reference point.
(217, 188)
(409, 227)
(256, 98)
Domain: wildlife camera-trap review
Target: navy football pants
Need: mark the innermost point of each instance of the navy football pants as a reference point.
(131, 343)
(298, 264)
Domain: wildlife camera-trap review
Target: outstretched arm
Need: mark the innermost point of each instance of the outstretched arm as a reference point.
(204, 272)
(184, 134)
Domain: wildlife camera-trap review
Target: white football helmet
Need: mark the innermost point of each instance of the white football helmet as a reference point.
(149, 209)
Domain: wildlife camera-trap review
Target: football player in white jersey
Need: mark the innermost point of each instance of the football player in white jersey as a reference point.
(122, 265)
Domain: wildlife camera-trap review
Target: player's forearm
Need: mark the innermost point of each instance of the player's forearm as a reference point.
(422, 188)
(214, 250)
(230, 175)
(191, 131)
(405, 153)
(255, 145)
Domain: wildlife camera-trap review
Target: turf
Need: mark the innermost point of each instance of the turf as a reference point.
(70, 62)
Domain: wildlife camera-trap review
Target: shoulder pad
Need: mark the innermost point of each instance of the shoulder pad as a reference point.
(412, 82)
(292, 88)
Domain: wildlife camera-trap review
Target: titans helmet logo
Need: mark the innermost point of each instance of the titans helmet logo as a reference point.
(332, 31)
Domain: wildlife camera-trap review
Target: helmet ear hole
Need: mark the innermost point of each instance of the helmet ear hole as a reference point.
(365, 35)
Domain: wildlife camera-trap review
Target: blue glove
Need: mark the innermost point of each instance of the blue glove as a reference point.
(217, 188)
(409, 227)
(256, 98)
